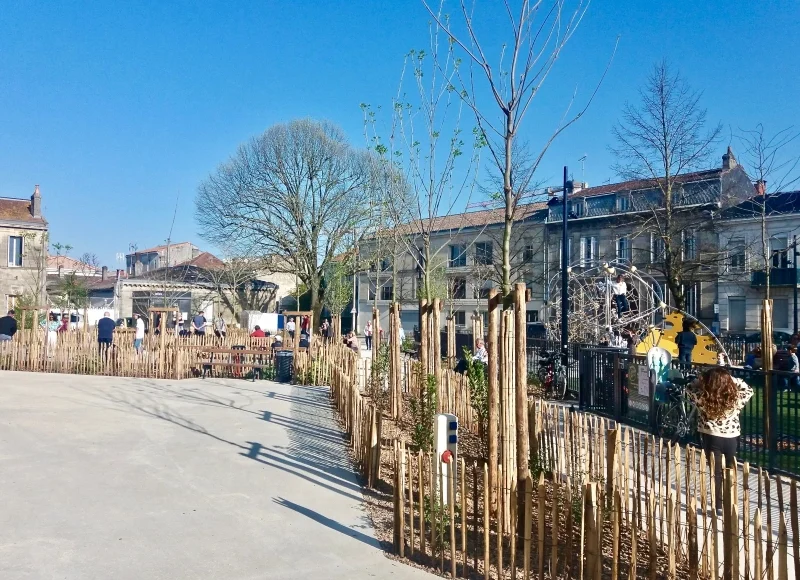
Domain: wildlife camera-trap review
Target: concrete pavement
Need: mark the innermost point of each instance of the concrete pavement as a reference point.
(115, 478)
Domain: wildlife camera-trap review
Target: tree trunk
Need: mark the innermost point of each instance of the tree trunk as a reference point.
(494, 391)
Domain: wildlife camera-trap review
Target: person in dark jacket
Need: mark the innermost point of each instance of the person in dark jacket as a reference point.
(8, 326)
(105, 331)
(686, 341)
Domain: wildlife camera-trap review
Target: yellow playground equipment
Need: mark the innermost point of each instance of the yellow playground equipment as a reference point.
(705, 352)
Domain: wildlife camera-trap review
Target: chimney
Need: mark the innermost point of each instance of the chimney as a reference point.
(729, 159)
(761, 187)
(59, 270)
(36, 202)
(103, 272)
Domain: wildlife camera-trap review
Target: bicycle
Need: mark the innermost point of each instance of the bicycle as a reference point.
(676, 415)
(552, 375)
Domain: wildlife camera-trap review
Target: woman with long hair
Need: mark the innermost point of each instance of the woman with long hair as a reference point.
(719, 398)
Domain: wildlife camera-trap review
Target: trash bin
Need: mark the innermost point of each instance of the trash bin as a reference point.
(283, 365)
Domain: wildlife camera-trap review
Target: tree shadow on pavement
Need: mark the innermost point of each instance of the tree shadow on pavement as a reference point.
(329, 523)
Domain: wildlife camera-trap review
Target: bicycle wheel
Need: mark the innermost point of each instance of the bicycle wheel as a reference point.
(560, 383)
(543, 375)
(668, 416)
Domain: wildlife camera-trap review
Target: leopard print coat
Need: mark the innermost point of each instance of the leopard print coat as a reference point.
(727, 426)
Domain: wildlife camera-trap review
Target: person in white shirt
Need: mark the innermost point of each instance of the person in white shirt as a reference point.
(368, 335)
(290, 327)
(139, 336)
(620, 289)
(481, 355)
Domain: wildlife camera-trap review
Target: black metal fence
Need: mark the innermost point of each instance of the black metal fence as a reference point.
(616, 384)
(535, 349)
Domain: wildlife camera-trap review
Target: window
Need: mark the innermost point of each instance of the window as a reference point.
(483, 253)
(386, 264)
(623, 201)
(736, 256)
(528, 253)
(532, 316)
(461, 318)
(11, 302)
(576, 208)
(656, 248)
(689, 245)
(780, 312)
(458, 256)
(458, 288)
(14, 251)
(588, 250)
(690, 295)
(623, 249)
(780, 254)
(387, 292)
(483, 292)
(737, 313)
(371, 291)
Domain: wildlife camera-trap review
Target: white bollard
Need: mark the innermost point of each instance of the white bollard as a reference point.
(445, 438)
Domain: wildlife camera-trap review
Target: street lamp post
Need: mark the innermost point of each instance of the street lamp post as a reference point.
(564, 273)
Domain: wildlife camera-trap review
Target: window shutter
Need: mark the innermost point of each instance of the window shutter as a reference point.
(595, 250)
(652, 248)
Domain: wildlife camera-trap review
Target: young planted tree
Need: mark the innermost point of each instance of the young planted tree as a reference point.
(297, 192)
(338, 290)
(773, 169)
(658, 141)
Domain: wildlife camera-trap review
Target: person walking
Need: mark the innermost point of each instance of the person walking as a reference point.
(719, 398)
(290, 328)
(794, 368)
(368, 334)
(8, 326)
(686, 341)
(220, 329)
(105, 332)
(138, 338)
(199, 324)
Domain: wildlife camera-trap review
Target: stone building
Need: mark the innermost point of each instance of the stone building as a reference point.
(23, 242)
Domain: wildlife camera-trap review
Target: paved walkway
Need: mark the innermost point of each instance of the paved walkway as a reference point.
(137, 478)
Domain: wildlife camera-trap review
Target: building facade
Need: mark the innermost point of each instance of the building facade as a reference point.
(140, 262)
(755, 231)
(23, 241)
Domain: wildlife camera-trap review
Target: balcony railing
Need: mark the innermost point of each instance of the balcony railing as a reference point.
(777, 277)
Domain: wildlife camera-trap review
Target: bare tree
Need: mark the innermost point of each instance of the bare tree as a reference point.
(297, 191)
(770, 166)
(539, 32)
(657, 142)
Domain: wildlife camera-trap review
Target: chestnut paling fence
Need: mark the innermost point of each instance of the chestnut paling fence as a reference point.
(600, 500)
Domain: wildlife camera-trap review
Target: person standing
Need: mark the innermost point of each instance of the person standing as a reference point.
(105, 332)
(257, 332)
(138, 338)
(686, 341)
(323, 329)
(290, 328)
(8, 326)
(719, 399)
(199, 324)
(181, 324)
(368, 334)
(620, 290)
(220, 328)
(794, 368)
(50, 327)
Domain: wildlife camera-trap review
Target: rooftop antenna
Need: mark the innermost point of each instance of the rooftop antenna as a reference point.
(583, 168)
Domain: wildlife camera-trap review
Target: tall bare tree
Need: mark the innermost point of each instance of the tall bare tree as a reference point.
(297, 191)
(658, 141)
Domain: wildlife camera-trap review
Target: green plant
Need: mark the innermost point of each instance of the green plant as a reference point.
(423, 411)
(437, 513)
(376, 384)
(478, 384)
(408, 345)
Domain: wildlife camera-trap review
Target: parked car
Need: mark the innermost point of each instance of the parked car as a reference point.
(778, 337)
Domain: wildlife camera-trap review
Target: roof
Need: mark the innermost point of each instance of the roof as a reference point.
(18, 210)
(640, 184)
(160, 248)
(67, 263)
(780, 203)
(473, 219)
(204, 260)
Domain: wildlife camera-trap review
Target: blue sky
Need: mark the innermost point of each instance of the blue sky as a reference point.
(120, 109)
